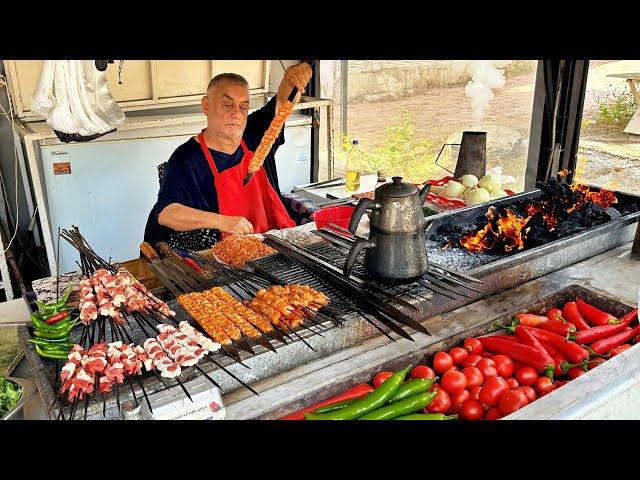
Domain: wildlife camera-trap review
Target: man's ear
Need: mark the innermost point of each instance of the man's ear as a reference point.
(205, 104)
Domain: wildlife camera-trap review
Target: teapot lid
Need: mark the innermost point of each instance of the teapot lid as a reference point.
(396, 189)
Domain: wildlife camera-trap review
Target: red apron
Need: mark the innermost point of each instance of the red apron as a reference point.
(257, 201)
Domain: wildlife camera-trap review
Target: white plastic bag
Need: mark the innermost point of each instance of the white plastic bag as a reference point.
(74, 98)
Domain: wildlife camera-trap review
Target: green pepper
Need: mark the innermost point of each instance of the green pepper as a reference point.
(401, 407)
(56, 347)
(371, 402)
(53, 355)
(427, 416)
(44, 343)
(49, 335)
(335, 406)
(411, 388)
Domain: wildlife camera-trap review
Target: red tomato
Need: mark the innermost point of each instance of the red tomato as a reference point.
(493, 414)
(472, 345)
(475, 393)
(458, 355)
(511, 401)
(575, 372)
(491, 391)
(442, 362)
(544, 385)
(422, 371)
(595, 362)
(620, 349)
(457, 399)
(485, 361)
(471, 361)
(526, 376)
(529, 392)
(380, 378)
(453, 381)
(474, 377)
(441, 403)
(512, 383)
(504, 365)
(472, 410)
(485, 354)
(487, 368)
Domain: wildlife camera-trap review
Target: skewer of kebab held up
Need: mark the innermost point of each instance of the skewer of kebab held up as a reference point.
(272, 133)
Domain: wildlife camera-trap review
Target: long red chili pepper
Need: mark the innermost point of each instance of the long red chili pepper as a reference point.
(594, 315)
(572, 315)
(598, 333)
(607, 344)
(522, 353)
(562, 366)
(550, 324)
(527, 338)
(574, 352)
(57, 318)
(530, 319)
(556, 314)
(358, 391)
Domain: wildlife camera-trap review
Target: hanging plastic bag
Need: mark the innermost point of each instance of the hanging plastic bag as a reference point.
(74, 98)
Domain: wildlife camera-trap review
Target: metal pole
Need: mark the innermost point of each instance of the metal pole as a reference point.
(635, 249)
(344, 70)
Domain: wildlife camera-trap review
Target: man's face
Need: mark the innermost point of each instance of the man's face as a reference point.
(226, 107)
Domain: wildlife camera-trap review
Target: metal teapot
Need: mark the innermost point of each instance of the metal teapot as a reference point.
(396, 248)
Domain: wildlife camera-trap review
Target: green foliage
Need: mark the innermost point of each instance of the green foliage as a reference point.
(615, 108)
(400, 153)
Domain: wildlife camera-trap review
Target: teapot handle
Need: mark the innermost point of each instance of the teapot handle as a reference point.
(353, 254)
(363, 204)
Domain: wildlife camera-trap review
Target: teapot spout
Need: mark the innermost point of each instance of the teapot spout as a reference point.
(424, 191)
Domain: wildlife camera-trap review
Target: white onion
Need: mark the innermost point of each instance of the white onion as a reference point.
(469, 180)
(474, 196)
(453, 189)
(490, 182)
(498, 194)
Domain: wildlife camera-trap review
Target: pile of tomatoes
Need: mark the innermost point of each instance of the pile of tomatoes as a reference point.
(476, 385)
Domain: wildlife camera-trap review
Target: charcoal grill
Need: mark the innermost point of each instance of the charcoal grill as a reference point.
(503, 271)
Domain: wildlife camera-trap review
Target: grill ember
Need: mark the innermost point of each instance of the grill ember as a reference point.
(562, 210)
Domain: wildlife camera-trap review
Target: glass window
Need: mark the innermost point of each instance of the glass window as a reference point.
(402, 112)
(609, 149)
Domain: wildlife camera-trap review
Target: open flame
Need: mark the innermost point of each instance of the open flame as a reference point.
(507, 231)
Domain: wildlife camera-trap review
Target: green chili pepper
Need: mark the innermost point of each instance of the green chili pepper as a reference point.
(335, 406)
(56, 347)
(49, 335)
(427, 416)
(371, 402)
(411, 388)
(43, 343)
(53, 355)
(401, 407)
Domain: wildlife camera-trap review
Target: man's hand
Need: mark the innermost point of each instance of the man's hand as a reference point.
(295, 76)
(235, 225)
(298, 76)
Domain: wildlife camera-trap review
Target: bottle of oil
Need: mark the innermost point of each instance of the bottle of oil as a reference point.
(354, 165)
